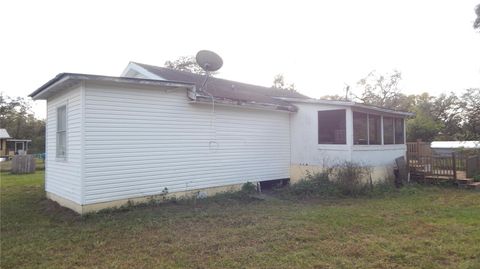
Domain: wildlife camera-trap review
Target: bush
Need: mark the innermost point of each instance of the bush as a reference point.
(249, 188)
(314, 184)
(345, 179)
(350, 178)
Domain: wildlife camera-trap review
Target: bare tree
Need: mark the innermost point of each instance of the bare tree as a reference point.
(279, 83)
(380, 90)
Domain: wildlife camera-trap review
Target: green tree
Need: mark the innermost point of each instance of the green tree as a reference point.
(186, 63)
(423, 125)
(446, 109)
(16, 116)
(471, 114)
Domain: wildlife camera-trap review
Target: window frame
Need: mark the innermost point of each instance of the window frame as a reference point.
(395, 131)
(64, 132)
(381, 129)
(367, 123)
(373, 116)
(345, 142)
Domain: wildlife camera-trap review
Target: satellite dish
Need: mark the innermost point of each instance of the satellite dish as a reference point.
(209, 60)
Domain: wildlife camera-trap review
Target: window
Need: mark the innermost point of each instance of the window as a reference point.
(375, 129)
(331, 127)
(62, 131)
(399, 136)
(388, 131)
(360, 128)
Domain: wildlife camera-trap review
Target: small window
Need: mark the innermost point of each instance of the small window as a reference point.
(388, 130)
(375, 129)
(332, 127)
(62, 132)
(399, 135)
(360, 128)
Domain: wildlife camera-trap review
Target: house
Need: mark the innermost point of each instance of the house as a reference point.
(156, 131)
(3, 142)
(10, 146)
(448, 147)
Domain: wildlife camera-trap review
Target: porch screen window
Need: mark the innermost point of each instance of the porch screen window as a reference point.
(375, 130)
(360, 128)
(332, 127)
(61, 132)
(388, 130)
(399, 135)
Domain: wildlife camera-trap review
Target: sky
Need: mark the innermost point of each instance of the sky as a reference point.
(319, 45)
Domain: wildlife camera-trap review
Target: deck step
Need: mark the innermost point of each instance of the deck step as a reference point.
(465, 181)
(474, 185)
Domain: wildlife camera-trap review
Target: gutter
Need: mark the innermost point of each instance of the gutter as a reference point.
(65, 77)
(205, 99)
(346, 104)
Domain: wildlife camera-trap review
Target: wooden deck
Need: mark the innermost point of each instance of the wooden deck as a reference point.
(426, 166)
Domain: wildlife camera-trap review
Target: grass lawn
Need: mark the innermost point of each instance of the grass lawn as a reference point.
(420, 227)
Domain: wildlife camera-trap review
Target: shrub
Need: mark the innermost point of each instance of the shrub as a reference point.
(314, 184)
(345, 179)
(350, 178)
(249, 188)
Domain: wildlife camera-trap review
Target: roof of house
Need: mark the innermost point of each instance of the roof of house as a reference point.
(65, 80)
(455, 144)
(354, 105)
(226, 89)
(222, 91)
(4, 134)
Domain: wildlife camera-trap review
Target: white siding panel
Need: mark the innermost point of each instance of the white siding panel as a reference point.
(139, 141)
(63, 176)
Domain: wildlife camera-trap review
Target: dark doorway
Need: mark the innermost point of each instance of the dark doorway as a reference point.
(272, 184)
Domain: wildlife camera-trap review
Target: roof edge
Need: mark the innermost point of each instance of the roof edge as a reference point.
(63, 77)
(204, 99)
(345, 103)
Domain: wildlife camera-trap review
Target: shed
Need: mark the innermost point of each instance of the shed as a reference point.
(10, 146)
(448, 147)
(3, 142)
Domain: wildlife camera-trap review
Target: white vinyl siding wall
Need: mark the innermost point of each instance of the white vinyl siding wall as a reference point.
(139, 141)
(63, 176)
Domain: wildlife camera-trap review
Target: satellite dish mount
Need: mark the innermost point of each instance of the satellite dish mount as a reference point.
(209, 61)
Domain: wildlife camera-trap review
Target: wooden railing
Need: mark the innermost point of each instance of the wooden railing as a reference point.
(422, 160)
(419, 148)
(431, 165)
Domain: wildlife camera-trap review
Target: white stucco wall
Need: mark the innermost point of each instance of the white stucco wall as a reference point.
(307, 154)
(304, 137)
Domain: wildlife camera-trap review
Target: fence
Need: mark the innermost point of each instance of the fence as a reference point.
(472, 166)
(422, 160)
